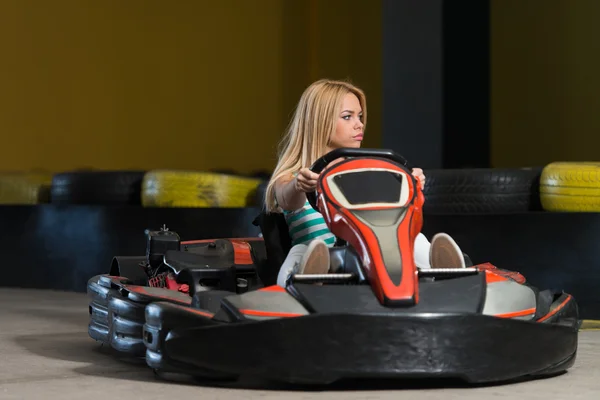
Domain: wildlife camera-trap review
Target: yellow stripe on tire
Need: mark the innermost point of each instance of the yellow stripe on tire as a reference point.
(571, 186)
(590, 325)
(167, 188)
(24, 188)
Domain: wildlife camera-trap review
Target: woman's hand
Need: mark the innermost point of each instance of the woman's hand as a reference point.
(306, 181)
(418, 174)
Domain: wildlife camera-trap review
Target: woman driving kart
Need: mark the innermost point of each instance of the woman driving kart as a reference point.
(330, 115)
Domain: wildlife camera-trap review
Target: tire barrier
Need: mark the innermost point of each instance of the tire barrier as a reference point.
(259, 195)
(557, 187)
(590, 325)
(19, 188)
(467, 191)
(571, 187)
(97, 187)
(168, 188)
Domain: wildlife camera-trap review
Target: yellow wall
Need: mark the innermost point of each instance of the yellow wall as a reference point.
(184, 84)
(349, 46)
(545, 81)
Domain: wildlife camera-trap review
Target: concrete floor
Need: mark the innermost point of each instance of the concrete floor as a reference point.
(46, 353)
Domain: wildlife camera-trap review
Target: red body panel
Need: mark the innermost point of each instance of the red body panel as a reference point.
(241, 247)
(347, 226)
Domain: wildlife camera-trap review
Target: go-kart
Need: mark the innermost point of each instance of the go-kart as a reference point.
(375, 315)
(171, 270)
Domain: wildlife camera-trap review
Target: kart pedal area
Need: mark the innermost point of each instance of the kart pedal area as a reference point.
(352, 278)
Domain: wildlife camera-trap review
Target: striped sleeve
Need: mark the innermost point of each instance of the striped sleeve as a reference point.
(306, 224)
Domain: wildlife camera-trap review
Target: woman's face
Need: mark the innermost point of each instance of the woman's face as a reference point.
(349, 128)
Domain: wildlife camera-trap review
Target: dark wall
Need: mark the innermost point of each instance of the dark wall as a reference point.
(545, 81)
(413, 79)
(436, 81)
(54, 247)
(60, 248)
(552, 250)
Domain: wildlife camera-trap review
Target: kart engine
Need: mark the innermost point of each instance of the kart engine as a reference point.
(159, 242)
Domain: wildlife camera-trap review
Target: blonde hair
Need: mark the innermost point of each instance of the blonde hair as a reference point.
(310, 130)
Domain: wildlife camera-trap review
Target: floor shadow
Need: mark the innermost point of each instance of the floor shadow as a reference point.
(124, 370)
(354, 385)
(78, 347)
(72, 317)
(71, 346)
(103, 361)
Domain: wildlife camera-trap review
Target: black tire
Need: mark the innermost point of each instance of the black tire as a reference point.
(97, 188)
(261, 174)
(466, 191)
(258, 197)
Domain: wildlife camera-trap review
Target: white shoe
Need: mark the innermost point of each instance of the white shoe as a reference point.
(315, 260)
(445, 253)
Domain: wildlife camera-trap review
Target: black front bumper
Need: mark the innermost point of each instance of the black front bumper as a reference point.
(323, 348)
(328, 346)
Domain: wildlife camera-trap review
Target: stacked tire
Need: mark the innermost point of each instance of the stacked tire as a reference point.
(25, 188)
(97, 188)
(168, 188)
(571, 187)
(154, 188)
(556, 187)
(485, 190)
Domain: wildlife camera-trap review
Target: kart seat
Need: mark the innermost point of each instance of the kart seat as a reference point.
(278, 244)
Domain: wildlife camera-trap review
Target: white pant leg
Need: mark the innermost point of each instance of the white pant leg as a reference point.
(421, 251)
(421, 255)
(293, 258)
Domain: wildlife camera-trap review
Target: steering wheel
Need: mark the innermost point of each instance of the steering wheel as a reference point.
(320, 164)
